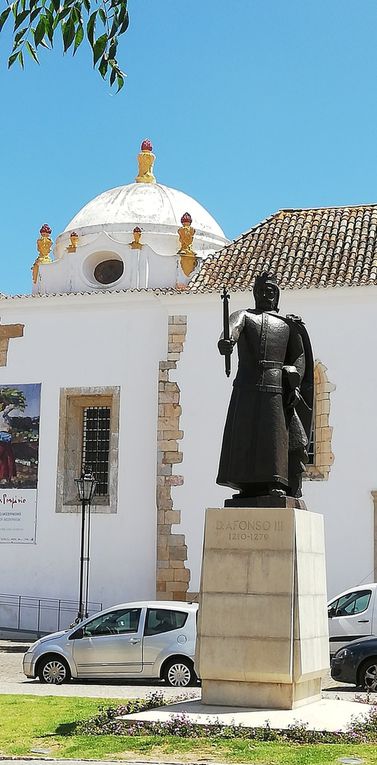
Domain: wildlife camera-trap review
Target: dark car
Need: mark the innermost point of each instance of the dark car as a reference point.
(357, 663)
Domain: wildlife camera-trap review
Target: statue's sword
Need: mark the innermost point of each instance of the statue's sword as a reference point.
(225, 298)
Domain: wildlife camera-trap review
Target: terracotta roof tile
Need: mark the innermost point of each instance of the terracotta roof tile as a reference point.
(320, 247)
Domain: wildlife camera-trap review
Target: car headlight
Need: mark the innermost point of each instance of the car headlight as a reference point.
(342, 653)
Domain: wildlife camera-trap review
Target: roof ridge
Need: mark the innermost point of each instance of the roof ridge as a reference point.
(327, 207)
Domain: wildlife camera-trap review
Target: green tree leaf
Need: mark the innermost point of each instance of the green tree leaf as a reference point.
(79, 36)
(49, 21)
(91, 27)
(14, 7)
(68, 34)
(99, 48)
(125, 25)
(18, 36)
(3, 17)
(40, 31)
(12, 59)
(20, 18)
(34, 14)
(31, 51)
(103, 66)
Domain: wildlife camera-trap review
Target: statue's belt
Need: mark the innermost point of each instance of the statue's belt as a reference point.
(270, 364)
(267, 378)
(270, 377)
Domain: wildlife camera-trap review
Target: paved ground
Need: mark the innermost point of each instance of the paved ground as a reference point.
(12, 680)
(326, 714)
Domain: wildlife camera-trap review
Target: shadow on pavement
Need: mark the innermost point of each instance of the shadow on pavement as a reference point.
(146, 682)
(343, 689)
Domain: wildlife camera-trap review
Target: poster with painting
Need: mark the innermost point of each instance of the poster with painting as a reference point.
(19, 443)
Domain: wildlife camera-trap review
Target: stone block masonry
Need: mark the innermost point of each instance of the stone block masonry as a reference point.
(323, 457)
(172, 576)
(7, 332)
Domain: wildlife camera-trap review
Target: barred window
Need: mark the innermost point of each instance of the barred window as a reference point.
(88, 437)
(96, 445)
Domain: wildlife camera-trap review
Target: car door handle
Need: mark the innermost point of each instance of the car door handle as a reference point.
(134, 640)
(363, 621)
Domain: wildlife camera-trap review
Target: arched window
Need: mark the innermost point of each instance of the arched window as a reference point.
(320, 455)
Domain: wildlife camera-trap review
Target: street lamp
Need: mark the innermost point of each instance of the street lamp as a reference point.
(86, 486)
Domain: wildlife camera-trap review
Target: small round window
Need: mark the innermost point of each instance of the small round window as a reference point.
(108, 271)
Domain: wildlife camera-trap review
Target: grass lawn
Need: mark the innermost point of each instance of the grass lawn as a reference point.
(46, 723)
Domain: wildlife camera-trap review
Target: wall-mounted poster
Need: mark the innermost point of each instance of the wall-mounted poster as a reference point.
(19, 442)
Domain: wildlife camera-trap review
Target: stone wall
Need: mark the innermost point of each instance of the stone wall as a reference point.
(323, 456)
(172, 579)
(8, 331)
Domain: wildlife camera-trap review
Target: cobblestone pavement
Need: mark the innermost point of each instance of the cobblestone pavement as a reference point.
(12, 680)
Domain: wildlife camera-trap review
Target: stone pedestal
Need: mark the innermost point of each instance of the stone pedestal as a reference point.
(262, 627)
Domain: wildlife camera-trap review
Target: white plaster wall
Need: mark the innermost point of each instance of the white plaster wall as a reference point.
(80, 342)
(118, 339)
(341, 323)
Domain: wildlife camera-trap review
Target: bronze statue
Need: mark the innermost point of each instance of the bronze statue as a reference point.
(269, 420)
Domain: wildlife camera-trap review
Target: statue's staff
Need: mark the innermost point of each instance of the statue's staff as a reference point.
(225, 298)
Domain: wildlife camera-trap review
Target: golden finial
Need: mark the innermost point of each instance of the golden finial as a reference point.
(136, 244)
(186, 235)
(146, 159)
(44, 244)
(74, 240)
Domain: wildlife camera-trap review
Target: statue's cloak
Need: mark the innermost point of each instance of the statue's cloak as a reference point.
(261, 430)
(304, 406)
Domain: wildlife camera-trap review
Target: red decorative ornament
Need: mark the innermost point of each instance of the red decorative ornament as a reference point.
(186, 219)
(146, 145)
(45, 229)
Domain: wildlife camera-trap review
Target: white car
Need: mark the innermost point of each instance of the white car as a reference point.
(352, 615)
(154, 639)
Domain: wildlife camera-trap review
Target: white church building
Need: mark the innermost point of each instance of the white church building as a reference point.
(112, 361)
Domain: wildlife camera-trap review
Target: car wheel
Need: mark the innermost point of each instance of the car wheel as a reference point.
(368, 674)
(53, 670)
(179, 673)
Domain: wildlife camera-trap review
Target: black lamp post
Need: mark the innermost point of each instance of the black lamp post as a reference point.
(86, 486)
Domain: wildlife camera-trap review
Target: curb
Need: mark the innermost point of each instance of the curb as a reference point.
(14, 648)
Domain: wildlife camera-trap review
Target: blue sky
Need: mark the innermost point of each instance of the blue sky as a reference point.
(251, 106)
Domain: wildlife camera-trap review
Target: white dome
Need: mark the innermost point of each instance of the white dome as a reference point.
(148, 203)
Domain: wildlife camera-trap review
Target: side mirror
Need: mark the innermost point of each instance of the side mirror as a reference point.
(77, 635)
(331, 612)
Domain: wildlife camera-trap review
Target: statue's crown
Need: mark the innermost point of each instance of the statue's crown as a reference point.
(265, 278)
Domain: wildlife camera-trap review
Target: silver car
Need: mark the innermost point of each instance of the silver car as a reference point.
(133, 640)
